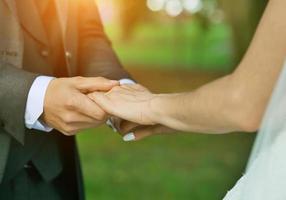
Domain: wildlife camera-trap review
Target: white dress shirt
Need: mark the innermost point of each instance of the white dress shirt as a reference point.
(35, 102)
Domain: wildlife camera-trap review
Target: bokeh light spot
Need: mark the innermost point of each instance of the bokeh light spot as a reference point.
(174, 7)
(193, 6)
(155, 5)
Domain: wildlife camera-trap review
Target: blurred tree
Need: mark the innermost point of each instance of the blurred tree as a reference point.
(131, 13)
(243, 16)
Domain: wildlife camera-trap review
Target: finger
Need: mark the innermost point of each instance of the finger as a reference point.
(82, 125)
(146, 131)
(139, 134)
(102, 100)
(137, 87)
(116, 121)
(128, 87)
(87, 85)
(134, 88)
(127, 127)
(74, 128)
(91, 109)
(75, 117)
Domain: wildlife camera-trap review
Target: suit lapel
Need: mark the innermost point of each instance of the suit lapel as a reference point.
(12, 6)
(30, 19)
(65, 10)
(62, 7)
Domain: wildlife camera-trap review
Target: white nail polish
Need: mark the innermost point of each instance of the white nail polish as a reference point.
(129, 137)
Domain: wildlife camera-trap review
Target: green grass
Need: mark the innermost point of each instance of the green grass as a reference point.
(183, 45)
(190, 166)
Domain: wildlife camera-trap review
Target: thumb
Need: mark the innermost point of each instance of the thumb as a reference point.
(88, 85)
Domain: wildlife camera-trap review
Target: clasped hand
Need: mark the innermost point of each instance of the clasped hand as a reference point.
(75, 104)
(134, 104)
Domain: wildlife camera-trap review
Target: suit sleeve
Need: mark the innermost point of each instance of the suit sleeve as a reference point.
(97, 57)
(14, 88)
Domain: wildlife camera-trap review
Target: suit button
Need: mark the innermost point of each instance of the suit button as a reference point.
(45, 53)
(28, 165)
(68, 55)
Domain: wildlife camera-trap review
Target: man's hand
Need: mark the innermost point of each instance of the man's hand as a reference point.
(67, 107)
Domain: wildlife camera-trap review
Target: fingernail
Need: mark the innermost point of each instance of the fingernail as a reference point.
(129, 137)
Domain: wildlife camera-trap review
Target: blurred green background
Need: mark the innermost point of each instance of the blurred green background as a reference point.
(171, 47)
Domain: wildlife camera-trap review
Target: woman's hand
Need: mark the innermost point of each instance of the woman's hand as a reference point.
(131, 106)
(134, 132)
(129, 102)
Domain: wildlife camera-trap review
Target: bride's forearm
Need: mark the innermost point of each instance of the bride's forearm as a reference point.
(236, 102)
(214, 108)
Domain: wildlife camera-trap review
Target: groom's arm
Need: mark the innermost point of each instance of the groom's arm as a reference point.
(96, 56)
(15, 85)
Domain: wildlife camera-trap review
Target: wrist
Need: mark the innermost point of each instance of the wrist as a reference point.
(165, 110)
(158, 108)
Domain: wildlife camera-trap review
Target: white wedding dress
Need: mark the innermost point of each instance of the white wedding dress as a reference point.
(265, 177)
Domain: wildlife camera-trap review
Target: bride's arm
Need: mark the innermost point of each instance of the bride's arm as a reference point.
(236, 102)
(233, 103)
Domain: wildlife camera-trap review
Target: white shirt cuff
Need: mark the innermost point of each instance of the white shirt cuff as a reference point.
(35, 104)
(126, 81)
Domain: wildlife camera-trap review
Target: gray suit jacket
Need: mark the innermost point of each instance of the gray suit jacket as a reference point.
(88, 53)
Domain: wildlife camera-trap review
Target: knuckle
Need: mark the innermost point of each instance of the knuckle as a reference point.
(68, 130)
(71, 103)
(67, 118)
(101, 115)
